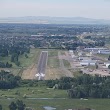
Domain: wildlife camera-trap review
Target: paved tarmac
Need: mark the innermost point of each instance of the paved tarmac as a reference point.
(42, 65)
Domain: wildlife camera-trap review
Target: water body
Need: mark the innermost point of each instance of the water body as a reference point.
(49, 108)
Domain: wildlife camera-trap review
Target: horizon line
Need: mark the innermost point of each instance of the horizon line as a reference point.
(55, 17)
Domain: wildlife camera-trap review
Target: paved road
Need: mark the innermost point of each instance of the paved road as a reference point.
(42, 65)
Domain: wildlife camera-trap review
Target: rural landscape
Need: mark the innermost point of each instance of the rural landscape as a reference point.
(54, 55)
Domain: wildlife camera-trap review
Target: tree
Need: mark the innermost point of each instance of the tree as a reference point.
(109, 67)
(109, 57)
(17, 63)
(12, 106)
(8, 80)
(20, 105)
(8, 65)
(26, 55)
(0, 107)
(72, 93)
(96, 66)
(12, 58)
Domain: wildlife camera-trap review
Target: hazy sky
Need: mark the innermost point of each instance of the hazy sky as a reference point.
(59, 8)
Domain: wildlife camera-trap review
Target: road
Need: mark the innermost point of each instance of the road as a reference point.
(42, 65)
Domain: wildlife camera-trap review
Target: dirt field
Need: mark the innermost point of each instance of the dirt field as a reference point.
(54, 73)
(30, 72)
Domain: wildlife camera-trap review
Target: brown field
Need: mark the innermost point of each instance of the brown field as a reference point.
(54, 73)
(30, 72)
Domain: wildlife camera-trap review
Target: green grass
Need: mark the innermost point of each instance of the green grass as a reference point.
(52, 53)
(62, 52)
(53, 60)
(62, 104)
(32, 58)
(38, 92)
(43, 92)
(15, 71)
(66, 63)
(24, 62)
(7, 59)
(103, 55)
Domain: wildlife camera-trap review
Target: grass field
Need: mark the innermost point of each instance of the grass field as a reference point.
(62, 104)
(7, 59)
(62, 52)
(38, 92)
(52, 53)
(54, 70)
(66, 64)
(24, 62)
(33, 57)
(43, 92)
(103, 55)
(53, 62)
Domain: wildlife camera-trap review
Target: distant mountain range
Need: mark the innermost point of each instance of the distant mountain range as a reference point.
(53, 20)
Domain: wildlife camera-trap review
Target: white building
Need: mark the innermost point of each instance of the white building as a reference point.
(72, 54)
(98, 50)
(70, 51)
(94, 52)
(84, 58)
(88, 62)
(95, 49)
(104, 51)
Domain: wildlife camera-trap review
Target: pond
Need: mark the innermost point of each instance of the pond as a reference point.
(49, 108)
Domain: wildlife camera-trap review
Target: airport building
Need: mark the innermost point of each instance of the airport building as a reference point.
(88, 62)
(98, 50)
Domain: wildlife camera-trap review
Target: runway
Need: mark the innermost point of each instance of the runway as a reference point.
(42, 65)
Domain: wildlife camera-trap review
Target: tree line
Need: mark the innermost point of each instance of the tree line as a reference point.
(13, 50)
(16, 105)
(8, 80)
(83, 86)
(5, 65)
